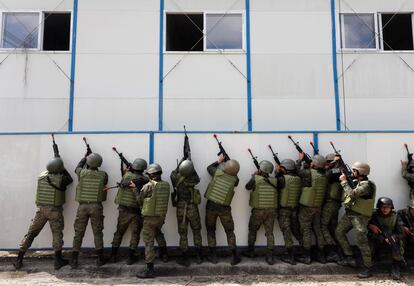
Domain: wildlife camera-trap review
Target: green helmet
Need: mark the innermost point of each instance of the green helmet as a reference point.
(231, 167)
(94, 160)
(266, 167)
(154, 168)
(384, 202)
(186, 168)
(288, 164)
(318, 161)
(330, 157)
(55, 166)
(139, 164)
(362, 168)
(411, 204)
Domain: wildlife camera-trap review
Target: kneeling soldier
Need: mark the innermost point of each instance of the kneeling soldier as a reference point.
(153, 198)
(50, 197)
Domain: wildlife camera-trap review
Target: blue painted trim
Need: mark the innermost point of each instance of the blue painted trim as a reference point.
(248, 70)
(161, 70)
(335, 67)
(151, 147)
(316, 140)
(73, 65)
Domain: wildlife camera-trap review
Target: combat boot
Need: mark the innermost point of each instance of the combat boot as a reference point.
(74, 261)
(289, 257)
(131, 257)
(269, 257)
(331, 254)
(305, 257)
(148, 273)
(59, 261)
(19, 261)
(200, 257)
(395, 270)
(249, 252)
(163, 254)
(348, 260)
(365, 273)
(101, 259)
(212, 255)
(236, 258)
(320, 255)
(114, 255)
(183, 259)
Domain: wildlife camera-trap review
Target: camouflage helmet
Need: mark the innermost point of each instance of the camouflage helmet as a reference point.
(266, 167)
(94, 160)
(55, 166)
(154, 168)
(139, 164)
(231, 167)
(318, 161)
(362, 168)
(186, 168)
(411, 204)
(288, 164)
(384, 202)
(330, 157)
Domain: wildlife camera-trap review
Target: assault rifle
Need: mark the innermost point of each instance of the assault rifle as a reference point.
(88, 148)
(274, 155)
(306, 158)
(123, 159)
(315, 150)
(343, 167)
(186, 148)
(222, 151)
(409, 155)
(256, 163)
(392, 239)
(55, 147)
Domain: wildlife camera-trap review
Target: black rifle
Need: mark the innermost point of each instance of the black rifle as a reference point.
(186, 148)
(343, 167)
(409, 155)
(315, 150)
(222, 151)
(88, 148)
(55, 147)
(123, 159)
(306, 158)
(256, 163)
(392, 239)
(274, 156)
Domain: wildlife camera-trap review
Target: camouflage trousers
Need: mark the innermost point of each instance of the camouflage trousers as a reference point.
(151, 231)
(329, 220)
(53, 215)
(214, 211)
(128, 217)
(289, 225)
(310, 226)
(188, 214)
(359, 223)
(377, 245)
(94, 212)
(265, 217)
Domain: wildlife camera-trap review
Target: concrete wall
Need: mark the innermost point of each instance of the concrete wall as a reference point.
(27, 155)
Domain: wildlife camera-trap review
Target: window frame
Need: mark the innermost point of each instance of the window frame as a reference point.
(70, 30)
(205, 50)
(342, 31)
(381, 35)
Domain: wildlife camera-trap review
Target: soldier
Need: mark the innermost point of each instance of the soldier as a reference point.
(264, 202)
(50, 197)
(90, 194)
(407, 217)
(330, 209)
(386, 232)
(407, 172)
(219, 194)
(153, 198)
(311, 201)
(290, 185)
(129, 211)
(186, 199)
(358, 202)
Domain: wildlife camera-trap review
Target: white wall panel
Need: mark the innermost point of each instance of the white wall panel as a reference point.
(202, 5)
(293, 6)
(124, 5)
(49, 5)
(352, 6)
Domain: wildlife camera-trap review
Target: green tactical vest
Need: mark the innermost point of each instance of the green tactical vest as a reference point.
(364, 206)
(335, 191)
(289, 197)
(157, 204)
(221, 188)
(125, 196)
(313, 196)
(91, 186)
(264, 196)
(46, 194)
(389, 221)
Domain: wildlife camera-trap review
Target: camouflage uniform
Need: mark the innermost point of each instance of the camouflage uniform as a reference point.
(409, 177)
(408, 221)
(355, 218)
(289, 225)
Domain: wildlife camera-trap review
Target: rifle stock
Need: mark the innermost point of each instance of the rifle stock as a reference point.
(343, 167)
(55, 147)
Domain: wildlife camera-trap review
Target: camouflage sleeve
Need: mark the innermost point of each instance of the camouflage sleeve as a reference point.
(192, 180)
(251, 184)
(305, 174)
(362, 189)
(409, 177)
(145, 192)
(80, 166)
(399, 227)
(212, 168)
(174, 177)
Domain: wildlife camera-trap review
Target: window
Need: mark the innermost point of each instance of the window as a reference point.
(204, 31)
(397, 32)
(20, 30)
(358, 31)
(56, 32)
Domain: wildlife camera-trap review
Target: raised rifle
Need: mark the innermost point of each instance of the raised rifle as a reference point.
(186, 148)
(222, 151)
(55, 147)
(306, 158)
(274, 155)
(409, 155)
(123, 160)
(88, 148)
(256, 163)
(315, 150)
(343, 167)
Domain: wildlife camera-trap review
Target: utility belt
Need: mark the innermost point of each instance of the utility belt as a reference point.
(129, 209)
